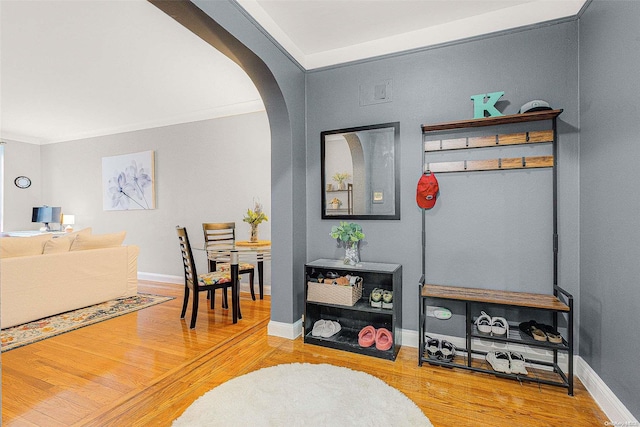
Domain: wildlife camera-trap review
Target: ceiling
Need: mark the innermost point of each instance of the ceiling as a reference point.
(320, 33)
(78, 69)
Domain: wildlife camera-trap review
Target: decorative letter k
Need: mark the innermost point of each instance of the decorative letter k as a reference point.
(480, 106)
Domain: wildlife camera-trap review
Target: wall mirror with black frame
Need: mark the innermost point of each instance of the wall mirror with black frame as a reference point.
(360, 172)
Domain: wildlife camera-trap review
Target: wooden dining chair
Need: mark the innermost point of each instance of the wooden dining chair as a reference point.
(196, 283)
(221, 236)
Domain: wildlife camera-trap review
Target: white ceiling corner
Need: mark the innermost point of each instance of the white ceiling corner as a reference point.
(322, 33)
(77, 69)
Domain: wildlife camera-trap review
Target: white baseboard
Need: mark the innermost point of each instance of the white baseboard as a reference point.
(285, 330)
(165, 278)
(604, 397)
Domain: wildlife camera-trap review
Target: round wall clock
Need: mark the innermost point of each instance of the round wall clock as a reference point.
(22, 182)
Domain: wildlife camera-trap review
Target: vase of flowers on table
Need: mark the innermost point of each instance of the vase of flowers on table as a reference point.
(255, 217)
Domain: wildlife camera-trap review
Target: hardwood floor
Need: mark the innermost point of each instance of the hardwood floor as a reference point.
(147, 367)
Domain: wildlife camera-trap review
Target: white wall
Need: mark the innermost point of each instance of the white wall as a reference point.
(22, 159)
(206, 171)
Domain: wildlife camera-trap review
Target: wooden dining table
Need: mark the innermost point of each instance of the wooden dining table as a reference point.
(243, 251)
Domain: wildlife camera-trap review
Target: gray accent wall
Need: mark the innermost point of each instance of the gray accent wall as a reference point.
(490, 229)
(281, 85)
(609, 196)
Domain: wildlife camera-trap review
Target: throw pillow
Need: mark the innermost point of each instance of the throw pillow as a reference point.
(73, 235)
(57, 245)
(22, 246)
(63, 243)
(97, 241)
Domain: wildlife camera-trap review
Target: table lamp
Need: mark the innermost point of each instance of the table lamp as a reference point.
(68, 220)
(46, 214)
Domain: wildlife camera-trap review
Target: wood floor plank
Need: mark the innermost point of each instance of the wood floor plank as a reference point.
(145, 368)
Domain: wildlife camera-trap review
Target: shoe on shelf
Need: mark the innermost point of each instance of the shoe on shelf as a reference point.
(552, 335)
(499, 326)
(536, 332)
(516, 363)
(375, 299)
(525, 327)
(484, 323)
(387, 299)
(432, 346)
(499, 361)
(447, 351)
(384, 339)
(367, 336)
(325, 328)
(331, 328)
(318, 328)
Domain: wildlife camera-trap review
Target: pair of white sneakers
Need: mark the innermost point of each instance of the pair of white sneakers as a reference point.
(496, 326)
(325, 328)
(508, 362)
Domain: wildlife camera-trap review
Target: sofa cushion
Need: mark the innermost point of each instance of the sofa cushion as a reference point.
(22, 246)
(97, 241)
(63, 243)
(57, 245)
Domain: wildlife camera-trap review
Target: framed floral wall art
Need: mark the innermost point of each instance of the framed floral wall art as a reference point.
(128, 182)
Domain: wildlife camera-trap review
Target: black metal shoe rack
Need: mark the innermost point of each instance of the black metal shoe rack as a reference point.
(559, 302)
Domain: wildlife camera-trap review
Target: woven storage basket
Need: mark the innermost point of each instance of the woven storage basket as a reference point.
(334, 294)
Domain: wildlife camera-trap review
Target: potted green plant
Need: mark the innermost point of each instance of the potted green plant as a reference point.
(335, 203)
(349, 234)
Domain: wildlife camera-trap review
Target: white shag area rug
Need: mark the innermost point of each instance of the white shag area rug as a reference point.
(303, 394)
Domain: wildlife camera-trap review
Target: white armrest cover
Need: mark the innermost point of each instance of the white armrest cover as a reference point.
(33, 287)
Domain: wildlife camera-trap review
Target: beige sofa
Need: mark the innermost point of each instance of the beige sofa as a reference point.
(44, 275)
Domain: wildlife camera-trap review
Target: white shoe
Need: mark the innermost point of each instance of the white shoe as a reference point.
(516, 363)
(318, 328)
(330, 329)
(499, 326)
(484, 323)
(499, 361)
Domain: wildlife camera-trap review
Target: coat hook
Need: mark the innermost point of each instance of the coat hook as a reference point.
(524, 162)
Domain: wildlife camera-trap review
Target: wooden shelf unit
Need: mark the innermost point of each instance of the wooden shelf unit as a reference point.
(340, 211)
(497, 140)
(353, 318)
(558, 302)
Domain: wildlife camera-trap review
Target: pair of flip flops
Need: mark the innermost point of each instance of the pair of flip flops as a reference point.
(382, 338)
(541, 332)
(325, 328)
